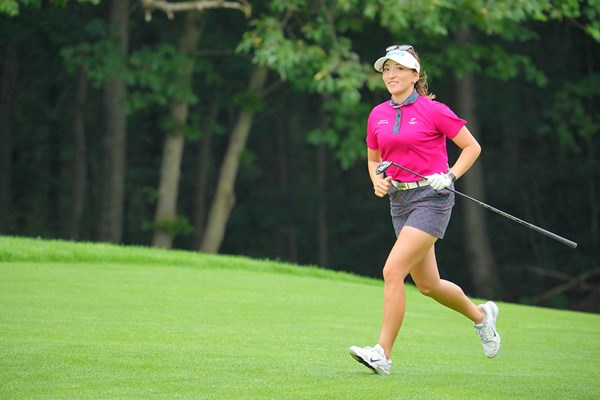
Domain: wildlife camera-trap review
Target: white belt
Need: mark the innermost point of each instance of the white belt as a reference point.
(410, 185)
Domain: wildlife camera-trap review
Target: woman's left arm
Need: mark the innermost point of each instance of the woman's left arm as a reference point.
(470, 151)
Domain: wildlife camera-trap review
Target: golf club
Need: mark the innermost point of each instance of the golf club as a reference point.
(381, 168)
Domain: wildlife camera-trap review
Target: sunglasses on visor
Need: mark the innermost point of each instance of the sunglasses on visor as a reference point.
(401, 47)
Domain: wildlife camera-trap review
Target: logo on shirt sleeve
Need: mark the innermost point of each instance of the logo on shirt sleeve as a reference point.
(382, 122)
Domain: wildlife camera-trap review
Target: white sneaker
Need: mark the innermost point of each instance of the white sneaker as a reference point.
(372, 357)
(490, 338)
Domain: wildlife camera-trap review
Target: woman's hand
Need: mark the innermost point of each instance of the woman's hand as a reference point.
(439, 181)
(382, 186)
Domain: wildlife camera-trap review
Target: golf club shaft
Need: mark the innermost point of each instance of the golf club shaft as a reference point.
(511, 217)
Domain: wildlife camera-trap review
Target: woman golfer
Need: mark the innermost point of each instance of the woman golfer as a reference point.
(411, 130)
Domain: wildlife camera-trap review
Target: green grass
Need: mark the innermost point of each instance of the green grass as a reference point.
(96, 321)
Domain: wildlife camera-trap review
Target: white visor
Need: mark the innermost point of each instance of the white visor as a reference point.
(401, 57)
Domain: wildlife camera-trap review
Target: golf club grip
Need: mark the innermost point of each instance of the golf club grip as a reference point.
(520, 221)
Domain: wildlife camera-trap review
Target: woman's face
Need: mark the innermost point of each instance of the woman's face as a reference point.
(399, 80)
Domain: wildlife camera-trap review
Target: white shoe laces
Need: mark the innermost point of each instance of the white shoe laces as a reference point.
(485, 333)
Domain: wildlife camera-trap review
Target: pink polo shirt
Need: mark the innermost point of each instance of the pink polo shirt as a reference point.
(420, 145)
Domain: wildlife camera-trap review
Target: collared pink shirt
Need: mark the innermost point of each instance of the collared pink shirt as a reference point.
(420, 145)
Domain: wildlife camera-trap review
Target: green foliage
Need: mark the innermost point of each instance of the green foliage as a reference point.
(327, 136)
(9, 7)
(192, 130)
(494, 61)
(281, 6)
(573, 115)
(155, 77)
(308, 51)
(12, 8)
(591, 14)
(251, 102)
(178, 226)
(315, 61)
(267, 42)
(345, 132)
(427, 16)
(99, 55)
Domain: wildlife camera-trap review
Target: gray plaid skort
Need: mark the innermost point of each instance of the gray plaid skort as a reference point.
(423, 208)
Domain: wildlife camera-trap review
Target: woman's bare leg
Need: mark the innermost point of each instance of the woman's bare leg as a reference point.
(410, 249)
(414, 254)
(427, 278)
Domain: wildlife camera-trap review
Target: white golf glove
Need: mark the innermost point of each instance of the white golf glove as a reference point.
(439, 181)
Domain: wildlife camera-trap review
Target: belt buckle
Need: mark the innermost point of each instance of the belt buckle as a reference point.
(401, 186)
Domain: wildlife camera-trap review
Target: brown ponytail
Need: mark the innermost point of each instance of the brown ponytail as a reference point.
(421, 85)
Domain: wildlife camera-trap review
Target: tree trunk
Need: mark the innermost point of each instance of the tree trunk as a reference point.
(480, 256)
(592, 189)
(322, 230)
(166, 208)
(111, 223)
(225, 193)
(203, 165)
(288, 233)
(80, 161)
(7, 91)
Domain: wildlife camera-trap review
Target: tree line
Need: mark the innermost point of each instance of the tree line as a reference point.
(239, 126)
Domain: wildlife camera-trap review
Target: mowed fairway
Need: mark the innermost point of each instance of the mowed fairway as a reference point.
(85, 321)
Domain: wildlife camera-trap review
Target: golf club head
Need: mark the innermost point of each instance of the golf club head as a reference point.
(382, 167)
